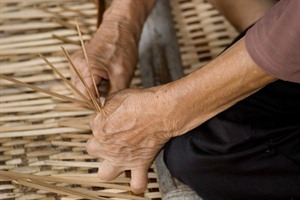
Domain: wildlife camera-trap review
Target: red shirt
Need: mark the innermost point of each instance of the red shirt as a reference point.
(274, 41)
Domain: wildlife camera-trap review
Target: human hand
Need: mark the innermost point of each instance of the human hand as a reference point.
(130, 131)
(112, 55)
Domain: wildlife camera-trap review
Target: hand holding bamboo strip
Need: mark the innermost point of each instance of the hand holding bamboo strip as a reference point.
(20, 83)
(87, 60)
(93, 98)
(68, 82)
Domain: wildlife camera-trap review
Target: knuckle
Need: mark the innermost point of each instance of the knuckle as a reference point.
(137, 189)
(108, 171)
(95, 133)
(91, 147)
(104, 177)
(118, 71)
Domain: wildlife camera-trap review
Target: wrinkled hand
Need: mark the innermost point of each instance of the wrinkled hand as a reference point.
(130, 131)
(112, 55)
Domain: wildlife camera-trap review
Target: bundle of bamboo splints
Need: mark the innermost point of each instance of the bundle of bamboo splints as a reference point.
(92, 103)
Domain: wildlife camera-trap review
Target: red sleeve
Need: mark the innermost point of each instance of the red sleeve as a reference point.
(274, 41)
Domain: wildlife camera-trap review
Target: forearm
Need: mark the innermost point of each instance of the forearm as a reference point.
(203, 94)
(243, 13)
(128, 15)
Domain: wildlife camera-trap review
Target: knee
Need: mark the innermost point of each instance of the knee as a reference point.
(176, 158)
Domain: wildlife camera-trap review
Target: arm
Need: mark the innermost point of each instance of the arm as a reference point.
(135, 124)
(243, 13)
(223, 82)
(113, 49)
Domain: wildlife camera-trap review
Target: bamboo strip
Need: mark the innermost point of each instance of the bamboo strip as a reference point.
(37, 132)
(77, 11)
(23, 45)
(34, 154)
(65, 39)
(37, 144)
(30, 2)
(93, 177)
(44, 91)
(36, 36)
(68, 25)
(35, 13)
(66, 81)
(153, 195)
(68, 144)
(6, 187)
(27, 127)
(53, 40)
(26, 14)
(68, 107)
(36, 50)
(27, 109)
(116, 195)
(152, 185)
(15, 142)
(20, 97)
(76, 136)
(71, 155)
(31, 63)
(48, 187)
(66, 163)
(88, 62)
(94, 100)
(87, 7)
(27, 103)
(81, 7)
(32, 69)
(34, 78)
(74, 124)
(11, 195)
(69, 180)
(28, 26)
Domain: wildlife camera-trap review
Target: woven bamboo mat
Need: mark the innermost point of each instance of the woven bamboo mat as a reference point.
(201, 31)
(41, 136)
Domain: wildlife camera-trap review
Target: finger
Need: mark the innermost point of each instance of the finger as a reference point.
(83, 89)
(139, 180)
(107, 171)
(95, 125)
(93, 147)
(116, 85)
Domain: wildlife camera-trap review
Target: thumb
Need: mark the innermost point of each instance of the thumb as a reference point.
(116, 85)
(139, 180)
(107, 171)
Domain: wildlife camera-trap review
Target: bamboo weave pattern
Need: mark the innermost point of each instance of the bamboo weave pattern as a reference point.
(46, 136)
